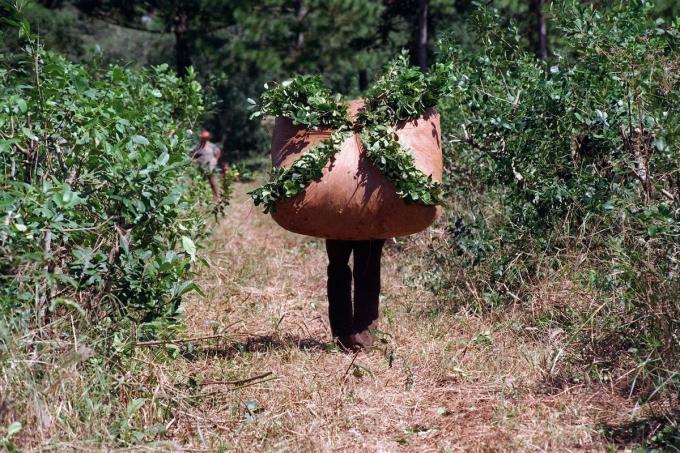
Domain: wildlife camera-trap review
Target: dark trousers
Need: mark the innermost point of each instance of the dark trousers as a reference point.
(367, 254)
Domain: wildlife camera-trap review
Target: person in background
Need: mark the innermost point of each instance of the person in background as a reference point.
(207, 155)
(352, 326)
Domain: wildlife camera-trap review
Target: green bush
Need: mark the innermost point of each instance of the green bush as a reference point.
(570, 170)
(98, 212)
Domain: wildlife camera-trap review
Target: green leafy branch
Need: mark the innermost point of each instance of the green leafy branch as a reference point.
(397, 164)
(286, 183)
(305, 101)
(403, 93)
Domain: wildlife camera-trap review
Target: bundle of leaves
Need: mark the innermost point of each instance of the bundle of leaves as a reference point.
(403, 93)
(304, 100)
(569, 170)
(98, 212)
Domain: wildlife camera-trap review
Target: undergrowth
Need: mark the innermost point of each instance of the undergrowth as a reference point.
(100, 222)
(566, 173)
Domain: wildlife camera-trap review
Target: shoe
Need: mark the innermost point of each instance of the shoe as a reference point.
(363, 339)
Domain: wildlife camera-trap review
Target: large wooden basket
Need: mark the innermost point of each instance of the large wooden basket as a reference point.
(353, 200)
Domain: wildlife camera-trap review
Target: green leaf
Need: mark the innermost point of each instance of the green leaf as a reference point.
(29, 133)
(22, 105)
(140, 140)
(14, 429)
(117, 74)
(189, 247)
(134, 406)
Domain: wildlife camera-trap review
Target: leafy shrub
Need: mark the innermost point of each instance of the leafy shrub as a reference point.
(570, 170)
(97, 209)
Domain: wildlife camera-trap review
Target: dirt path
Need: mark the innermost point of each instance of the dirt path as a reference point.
(439, 382)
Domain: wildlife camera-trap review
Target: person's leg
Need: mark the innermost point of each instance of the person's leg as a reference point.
(214, 181)
(339, 289)
(367, 256)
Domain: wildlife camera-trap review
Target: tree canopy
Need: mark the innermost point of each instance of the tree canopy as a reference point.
(236, 45)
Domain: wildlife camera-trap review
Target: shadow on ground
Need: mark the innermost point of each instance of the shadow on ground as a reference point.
(656, 432)
(258, 343)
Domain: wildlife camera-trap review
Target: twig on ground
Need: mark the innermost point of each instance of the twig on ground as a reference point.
(350, 364)
(185, 340)
(217, 393)
(240, 381)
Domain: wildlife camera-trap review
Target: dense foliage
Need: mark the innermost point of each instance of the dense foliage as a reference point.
(237, 45)
(97, 209)
(403, 93)
(569, 171)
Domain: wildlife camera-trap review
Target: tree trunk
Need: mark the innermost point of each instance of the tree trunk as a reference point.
(541, 29)
(363, 79)
(300, 14)
(422, 34)
(182, 50)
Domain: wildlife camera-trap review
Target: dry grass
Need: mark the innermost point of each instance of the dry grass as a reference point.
(439, 381)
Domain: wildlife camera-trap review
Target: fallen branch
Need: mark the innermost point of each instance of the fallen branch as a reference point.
(240, 381)
(185, 340)
(356, 354)
(221, 392)
(667, 194)
(273, 378)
